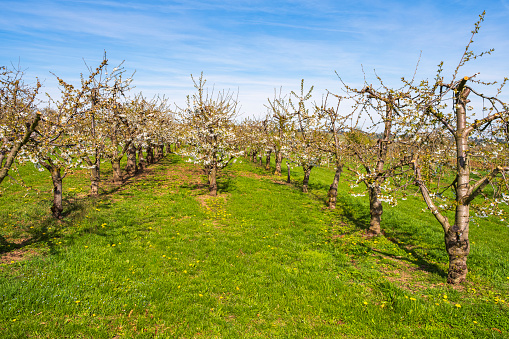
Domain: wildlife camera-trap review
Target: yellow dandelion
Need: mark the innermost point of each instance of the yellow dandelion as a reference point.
(185, 271)
(365, 303)
(77, 301)
(457, 305)
(475, 322)
(413, 299)
(445, 296)
(201, 295)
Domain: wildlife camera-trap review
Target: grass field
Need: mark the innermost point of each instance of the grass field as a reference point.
(159, 258)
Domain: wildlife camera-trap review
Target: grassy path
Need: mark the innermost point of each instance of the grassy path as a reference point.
(159, 258)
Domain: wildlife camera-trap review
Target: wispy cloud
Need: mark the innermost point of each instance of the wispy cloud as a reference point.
(253, 46)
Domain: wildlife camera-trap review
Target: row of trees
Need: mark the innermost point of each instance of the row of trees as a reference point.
(444, 136)
(86, 125)
(423, 134)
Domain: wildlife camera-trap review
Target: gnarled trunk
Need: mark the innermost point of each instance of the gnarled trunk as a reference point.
(375, 209)
(267, 160)
(157, 155)
(117, 171)
(458, 246)
(150, 154)
(253, 156)
(131, 167)
(307, 173)
(279, 160)
(161, 151)
(333, 190)
(141, 159)
(56, 178)
(57, 207)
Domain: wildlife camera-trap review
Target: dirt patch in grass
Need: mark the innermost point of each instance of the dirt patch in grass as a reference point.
(12, 257)
(409, 276)
(18, 255)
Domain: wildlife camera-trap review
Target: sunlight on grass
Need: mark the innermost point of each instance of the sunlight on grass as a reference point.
(160, 258)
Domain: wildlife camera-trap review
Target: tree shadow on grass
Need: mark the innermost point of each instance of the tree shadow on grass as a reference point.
(44, 230)
(48, 230)
(357, 214)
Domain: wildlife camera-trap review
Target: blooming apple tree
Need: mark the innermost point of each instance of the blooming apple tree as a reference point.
(476, 125)
(210, 133)
(18, 116)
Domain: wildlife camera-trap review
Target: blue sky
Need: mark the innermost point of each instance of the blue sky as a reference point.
(250, 46)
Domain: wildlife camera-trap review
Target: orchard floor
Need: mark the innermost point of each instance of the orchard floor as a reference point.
(159, 258)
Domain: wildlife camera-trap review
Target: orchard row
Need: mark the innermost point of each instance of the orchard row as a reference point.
(446, 137)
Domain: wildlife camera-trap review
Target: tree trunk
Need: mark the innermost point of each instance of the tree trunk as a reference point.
(157, 155)
(260, 156)
(456, 237)
(95, 173)
(267, 160)
(307, 173)
(375, 209)
(458, 248)
(150, 154)
(168, 149)
(288, 175)
(141, 160)
(57, 207)
(333, 190)
(212, 180)
(161, 151)
(279, 160)
(95, 178)
(253, 156)
(117, 171)
(131, 168)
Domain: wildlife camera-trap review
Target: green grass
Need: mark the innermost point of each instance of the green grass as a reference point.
(157, 257)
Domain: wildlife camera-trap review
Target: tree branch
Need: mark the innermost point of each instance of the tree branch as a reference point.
(477, 188)
(427, 198)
